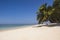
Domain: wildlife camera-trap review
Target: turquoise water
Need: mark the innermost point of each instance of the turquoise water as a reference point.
(11, 26)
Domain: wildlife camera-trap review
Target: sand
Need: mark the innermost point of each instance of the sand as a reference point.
(31, 33)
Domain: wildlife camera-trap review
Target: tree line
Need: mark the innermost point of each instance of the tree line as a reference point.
(49, 13)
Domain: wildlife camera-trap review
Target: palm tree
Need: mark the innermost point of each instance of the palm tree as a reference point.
(40, 13)
(51, 13)
(44, 13)
(55, 17)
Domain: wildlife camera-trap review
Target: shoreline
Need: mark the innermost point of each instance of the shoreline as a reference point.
(17, 27)
(31, 33)
(27, 26)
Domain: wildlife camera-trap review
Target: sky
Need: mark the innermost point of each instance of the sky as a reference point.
(20, 11)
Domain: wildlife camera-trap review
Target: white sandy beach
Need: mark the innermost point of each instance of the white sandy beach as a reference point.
(31, 33)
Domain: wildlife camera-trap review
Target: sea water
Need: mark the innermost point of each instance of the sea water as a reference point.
(12, 26)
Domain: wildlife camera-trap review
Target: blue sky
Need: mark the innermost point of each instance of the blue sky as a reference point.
(20, 11)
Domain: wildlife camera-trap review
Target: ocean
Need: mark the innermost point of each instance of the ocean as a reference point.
(12, 26)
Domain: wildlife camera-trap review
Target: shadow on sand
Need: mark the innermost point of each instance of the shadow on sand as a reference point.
(51, 25)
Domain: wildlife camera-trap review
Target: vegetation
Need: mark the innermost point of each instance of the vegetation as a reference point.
(51, 13)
